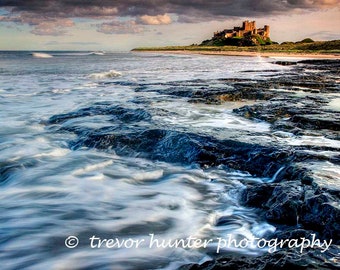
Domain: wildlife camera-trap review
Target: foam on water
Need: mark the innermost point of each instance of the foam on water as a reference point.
(41, 55)
(93, 167)
(310, 140)
(54, 153)
(97, 53)
(207, 118)
(335, 104)
(105, 75)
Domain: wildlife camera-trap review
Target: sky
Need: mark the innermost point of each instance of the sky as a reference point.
(120, 25)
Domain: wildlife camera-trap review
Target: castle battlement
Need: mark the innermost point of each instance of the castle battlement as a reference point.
(248, 28)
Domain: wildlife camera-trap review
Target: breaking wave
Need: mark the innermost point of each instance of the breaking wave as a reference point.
(41, 55)
(97, 53)
(104, 75)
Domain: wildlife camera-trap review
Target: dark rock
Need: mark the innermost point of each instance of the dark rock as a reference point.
(319, 121)
(294, 172)
(321, 212)
(257, 195)
(117, 112)
(307, 180)
(173, 146)
(280, 260)
(327, 64)
(294, 233)
(285, 63)
(292, 203)
(285, 203)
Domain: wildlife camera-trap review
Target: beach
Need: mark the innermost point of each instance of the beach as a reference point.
(251, 54)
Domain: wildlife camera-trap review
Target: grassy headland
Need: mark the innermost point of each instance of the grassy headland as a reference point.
(316, 47)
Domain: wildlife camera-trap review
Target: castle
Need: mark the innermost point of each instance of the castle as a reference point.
(248, 28)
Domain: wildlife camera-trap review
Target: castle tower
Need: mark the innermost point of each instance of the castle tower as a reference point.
(249, 26)
(253, 25)
(244, 25)
(266, 31)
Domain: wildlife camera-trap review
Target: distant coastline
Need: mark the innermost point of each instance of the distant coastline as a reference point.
(244, 53)
(317, 49)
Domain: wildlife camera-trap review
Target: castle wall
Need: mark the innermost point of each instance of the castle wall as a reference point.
(248, 28)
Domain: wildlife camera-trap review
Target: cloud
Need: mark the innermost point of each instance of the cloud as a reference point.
(117, 27)
(90, 8)
(79, 43)
(154, 20)
(45, 15)
(313, 3)
(53, 27)
(325, 35)
(41, 25)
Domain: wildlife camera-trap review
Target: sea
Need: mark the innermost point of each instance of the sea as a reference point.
(69, 203)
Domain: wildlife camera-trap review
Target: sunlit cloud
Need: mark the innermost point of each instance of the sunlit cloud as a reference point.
(154, 20)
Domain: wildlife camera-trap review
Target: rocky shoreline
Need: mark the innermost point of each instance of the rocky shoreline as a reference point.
(296, 200)
(295, 203)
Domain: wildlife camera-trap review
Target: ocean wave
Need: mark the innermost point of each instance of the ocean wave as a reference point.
(97, 53)
(107, 74)
(41, 55)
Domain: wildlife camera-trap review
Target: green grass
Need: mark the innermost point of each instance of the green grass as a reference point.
(332, 47)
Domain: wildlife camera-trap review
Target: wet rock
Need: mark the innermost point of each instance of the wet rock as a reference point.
(292, 203)
(269, 112)
(300, 115)
(295, 172)
(281, 201)
(284, 203)
(301, 78)
(155, 144)
(321, 212)
(280, 260)
(289, 232)
(322, 64)
(257, 195)
(173, 146)
(245, 94)
(318, 121)
(262, 71)
(295, 116)
(295, 105)
(285, 63)
(118, 113)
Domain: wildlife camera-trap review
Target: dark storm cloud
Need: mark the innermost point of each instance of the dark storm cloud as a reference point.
(35, 12)
(152, 7)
